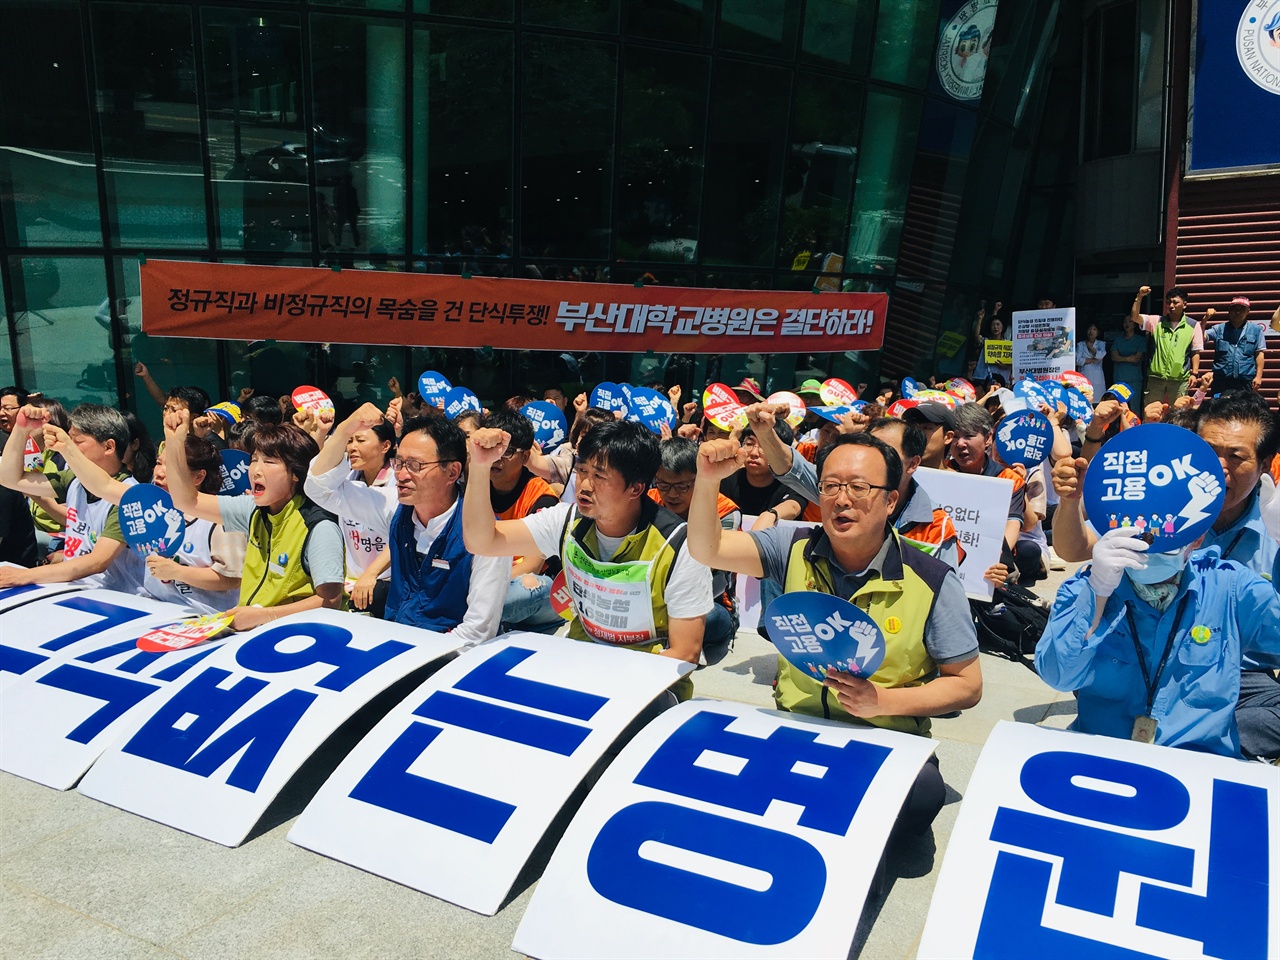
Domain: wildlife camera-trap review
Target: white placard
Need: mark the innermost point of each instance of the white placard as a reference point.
(979, 507)
(218, 748)
(1070, 845)
(747, 589)
(1044, 343)
(11, 597)
(58, 717)
(725, 830)
(45, 630)
(454, 789)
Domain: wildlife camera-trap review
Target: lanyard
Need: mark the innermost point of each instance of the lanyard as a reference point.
(1153, 685)
(1234, 543)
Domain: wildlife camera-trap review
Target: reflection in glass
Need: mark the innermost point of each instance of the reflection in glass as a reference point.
(7, 376)
(595, 16)
(837, 33)
(672, 21)
(906, 36)
(475, 9)
(146, 95)
(463, 147)
(664, 101)
(567, 167)
(820, 170)
(884, 174)
(46, 153)
(63, 325)
(746, 147)
(357, 124)
(257, 141)
(763, 27)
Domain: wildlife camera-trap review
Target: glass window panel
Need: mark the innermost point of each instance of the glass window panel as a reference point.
(906, 35)
(47, 172)
(745, 158)
(171, 361)
(475, 9)
(365, 4)
(63, 323)
(272, 368)
(1151, 30)
(763, 27)
(463, 96)
(597, 16)
(884, 174)
(7, 375)
(359, 374)
(358, 127)
(664, 104)
(838, 33)
(821, 162)
(257, 139)
(673, 21)
(146, 84)
(567, 167)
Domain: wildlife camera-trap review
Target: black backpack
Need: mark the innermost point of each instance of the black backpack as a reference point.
(1012, 623)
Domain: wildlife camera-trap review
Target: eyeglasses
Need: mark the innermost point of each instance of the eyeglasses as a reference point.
(679, 488)
(857, 489)
(10, 409)
(511, 455)
(414, 466)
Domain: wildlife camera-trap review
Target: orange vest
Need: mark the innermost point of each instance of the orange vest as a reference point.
(535, 488)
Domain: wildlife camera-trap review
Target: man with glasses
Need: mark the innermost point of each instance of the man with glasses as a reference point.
(1174, 342)
(931, 648)
(626, 563)
(435, 582)
(11, 401)
(673, 489)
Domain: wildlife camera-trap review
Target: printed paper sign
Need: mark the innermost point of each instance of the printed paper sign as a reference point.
(979, 507)
(1044, 342)
(998, 353)
(899, 407)
(609, 396)
(1070, 845)
(836, 392)
(89, 688)
(549, 425)
(1024, 438)
(611, 600)
(648, 406)
(1079, 408)
(1073, 378)
(217, 749)
(458, 401)
(185, 633)
(151, 524)
(795, 416)
(561, 597)
(433, 387)
(32, 456)
(1162, 480)
(725, 830)
(311, 398)
(235, 473)
(453, 790)
(909, 388)
(817, 632)
(722, 407)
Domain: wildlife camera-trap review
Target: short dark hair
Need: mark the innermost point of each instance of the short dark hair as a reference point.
(14, 392)
(517, 425)
(285, 442)
(203, 455)
(451, 442)
(679, 455)
(630, 448)
(264, 409)
(1245, 406)
(892, 462)
(780, 427)
(1177, 292)
(591, 417)
(469, 414)
(196, 399)
(914, 440)
(103, 424)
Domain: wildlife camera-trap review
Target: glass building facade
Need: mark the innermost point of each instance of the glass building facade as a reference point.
(741, 143)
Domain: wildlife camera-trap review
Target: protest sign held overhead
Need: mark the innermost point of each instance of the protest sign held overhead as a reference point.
(1044, 342)
(458, 400)
(609, 396)
(979, 507)
(722, 407)
(151, 524)
(836, 392)
(646, 405)
(235, 473)
(1025, 438)
(549, 426)
(1162, 480)
(311, 398)
(1078, 408)
(998, 353)
(433, 387)
(796, 414)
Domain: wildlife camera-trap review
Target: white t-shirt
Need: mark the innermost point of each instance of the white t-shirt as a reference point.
(688, 590)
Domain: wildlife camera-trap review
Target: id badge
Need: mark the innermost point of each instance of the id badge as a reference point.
(1144, 730)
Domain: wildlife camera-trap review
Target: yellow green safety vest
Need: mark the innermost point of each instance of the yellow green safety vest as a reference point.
(899, 605)
(273, 569)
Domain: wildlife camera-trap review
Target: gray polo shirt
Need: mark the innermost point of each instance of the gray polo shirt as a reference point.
(949, 632)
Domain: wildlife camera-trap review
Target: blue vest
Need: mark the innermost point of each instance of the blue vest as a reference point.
(422, 593)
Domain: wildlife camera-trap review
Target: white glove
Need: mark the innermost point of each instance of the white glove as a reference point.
(1269, 505)
(1119, 550)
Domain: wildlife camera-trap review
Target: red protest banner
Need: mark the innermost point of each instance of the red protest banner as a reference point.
(307, 305)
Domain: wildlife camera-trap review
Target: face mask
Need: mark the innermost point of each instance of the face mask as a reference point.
(1160, 567)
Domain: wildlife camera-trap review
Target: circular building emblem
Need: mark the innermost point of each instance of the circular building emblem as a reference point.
(963, 49)
(1258, 44)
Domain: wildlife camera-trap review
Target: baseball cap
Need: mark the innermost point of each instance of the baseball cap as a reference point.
(1240, 302)
(931, 413)
(810, 386)
(751, 388)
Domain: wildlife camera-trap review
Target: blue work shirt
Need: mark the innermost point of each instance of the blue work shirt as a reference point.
(1196, 696)
(1247, 543)
(1237, 348)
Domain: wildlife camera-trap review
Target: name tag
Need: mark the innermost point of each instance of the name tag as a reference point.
(440, 563)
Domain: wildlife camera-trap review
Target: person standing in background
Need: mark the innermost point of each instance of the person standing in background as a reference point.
(1174, 342)
(1127, 354)
(1089, 354)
